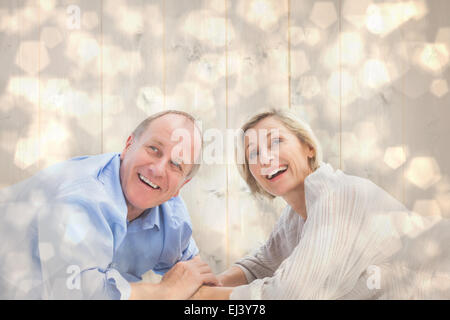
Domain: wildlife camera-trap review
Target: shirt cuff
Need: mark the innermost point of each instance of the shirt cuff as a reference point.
(123, 286)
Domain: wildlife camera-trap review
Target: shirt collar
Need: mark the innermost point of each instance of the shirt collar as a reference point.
(151, 218)
(109, 176)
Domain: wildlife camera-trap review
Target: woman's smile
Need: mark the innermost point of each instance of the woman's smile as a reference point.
(276, 173)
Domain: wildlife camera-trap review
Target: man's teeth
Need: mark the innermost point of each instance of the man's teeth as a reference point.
(274, 172)
(148, 182)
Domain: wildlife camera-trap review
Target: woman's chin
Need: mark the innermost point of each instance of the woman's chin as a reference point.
(275, 192)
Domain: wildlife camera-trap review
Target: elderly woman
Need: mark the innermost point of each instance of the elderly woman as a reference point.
(339, 237)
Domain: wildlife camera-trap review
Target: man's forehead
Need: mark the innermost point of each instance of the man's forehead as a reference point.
(173, 129)
(168, 123)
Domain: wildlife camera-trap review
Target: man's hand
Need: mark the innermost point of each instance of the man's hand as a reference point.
(185, 277)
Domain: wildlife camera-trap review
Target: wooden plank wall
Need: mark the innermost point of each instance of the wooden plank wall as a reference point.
(370, 77)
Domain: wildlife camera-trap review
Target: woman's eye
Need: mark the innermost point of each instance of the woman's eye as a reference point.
(276, 141)
(252, 154)
(153, 148)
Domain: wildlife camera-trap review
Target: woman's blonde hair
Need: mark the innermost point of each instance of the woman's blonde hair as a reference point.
(301, 129)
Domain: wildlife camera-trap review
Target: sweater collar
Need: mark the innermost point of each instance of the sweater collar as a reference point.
(320, 181)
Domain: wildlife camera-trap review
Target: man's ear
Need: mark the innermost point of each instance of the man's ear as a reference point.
(176, 194)
(129, 142)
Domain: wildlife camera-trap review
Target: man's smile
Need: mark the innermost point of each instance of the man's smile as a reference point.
(148, 182)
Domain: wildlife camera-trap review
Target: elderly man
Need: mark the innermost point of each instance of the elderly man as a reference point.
(90, 227)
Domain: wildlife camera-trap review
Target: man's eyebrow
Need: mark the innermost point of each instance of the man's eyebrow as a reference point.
(157, 142)
(178, 161)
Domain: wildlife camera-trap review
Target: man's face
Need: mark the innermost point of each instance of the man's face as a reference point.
(154, 167)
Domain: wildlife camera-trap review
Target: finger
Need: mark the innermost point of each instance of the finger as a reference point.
(204, 268)
(196, 261)
(210, 278)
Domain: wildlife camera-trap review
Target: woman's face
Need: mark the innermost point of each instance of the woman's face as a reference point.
(277, 159)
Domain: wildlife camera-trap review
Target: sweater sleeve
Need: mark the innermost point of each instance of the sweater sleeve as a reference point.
(266, 259)
(341, 238)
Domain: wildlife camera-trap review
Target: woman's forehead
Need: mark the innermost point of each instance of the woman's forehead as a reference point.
(267, 127)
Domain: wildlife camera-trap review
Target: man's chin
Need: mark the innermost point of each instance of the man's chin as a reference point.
(144, 205)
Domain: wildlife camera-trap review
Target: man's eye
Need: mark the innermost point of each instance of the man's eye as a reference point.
(153, 148)
(176, 164)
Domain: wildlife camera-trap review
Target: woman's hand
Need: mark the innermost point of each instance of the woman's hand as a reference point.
(232, 277)
(212, 293)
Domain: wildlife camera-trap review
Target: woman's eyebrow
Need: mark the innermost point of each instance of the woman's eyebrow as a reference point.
(268, 136)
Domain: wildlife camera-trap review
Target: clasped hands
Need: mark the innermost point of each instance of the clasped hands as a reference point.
(192, 279)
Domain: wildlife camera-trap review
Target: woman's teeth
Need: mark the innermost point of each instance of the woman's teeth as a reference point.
(276, 172)
(148, 182)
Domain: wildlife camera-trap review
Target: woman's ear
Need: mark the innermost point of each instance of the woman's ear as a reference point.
(311, 151)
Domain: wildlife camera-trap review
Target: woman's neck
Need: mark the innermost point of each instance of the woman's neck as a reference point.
(296, 199)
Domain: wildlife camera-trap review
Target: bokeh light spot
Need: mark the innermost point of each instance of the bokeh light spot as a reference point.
(323, 14)
(32, 57)
(423, 172)
(427, 207)
(439, 87)
(394, 157)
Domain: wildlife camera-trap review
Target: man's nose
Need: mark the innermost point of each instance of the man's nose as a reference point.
(157, 168)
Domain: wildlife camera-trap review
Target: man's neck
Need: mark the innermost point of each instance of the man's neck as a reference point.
(133, 213)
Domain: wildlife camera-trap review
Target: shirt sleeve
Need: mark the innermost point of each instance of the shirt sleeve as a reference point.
(190, 251)
(340, 240)
(76, 246)
(266, 259)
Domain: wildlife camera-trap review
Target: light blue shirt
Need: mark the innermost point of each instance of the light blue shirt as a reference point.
(64, 234)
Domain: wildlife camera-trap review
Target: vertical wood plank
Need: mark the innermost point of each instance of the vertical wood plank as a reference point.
(315, 69)
(426, 112)
(372, 111)
(70, 85)
(258, 73)
(195, 83)
(19, 91)
(132, 67)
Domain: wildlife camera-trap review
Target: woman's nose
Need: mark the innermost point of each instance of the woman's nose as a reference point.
(266, 157)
